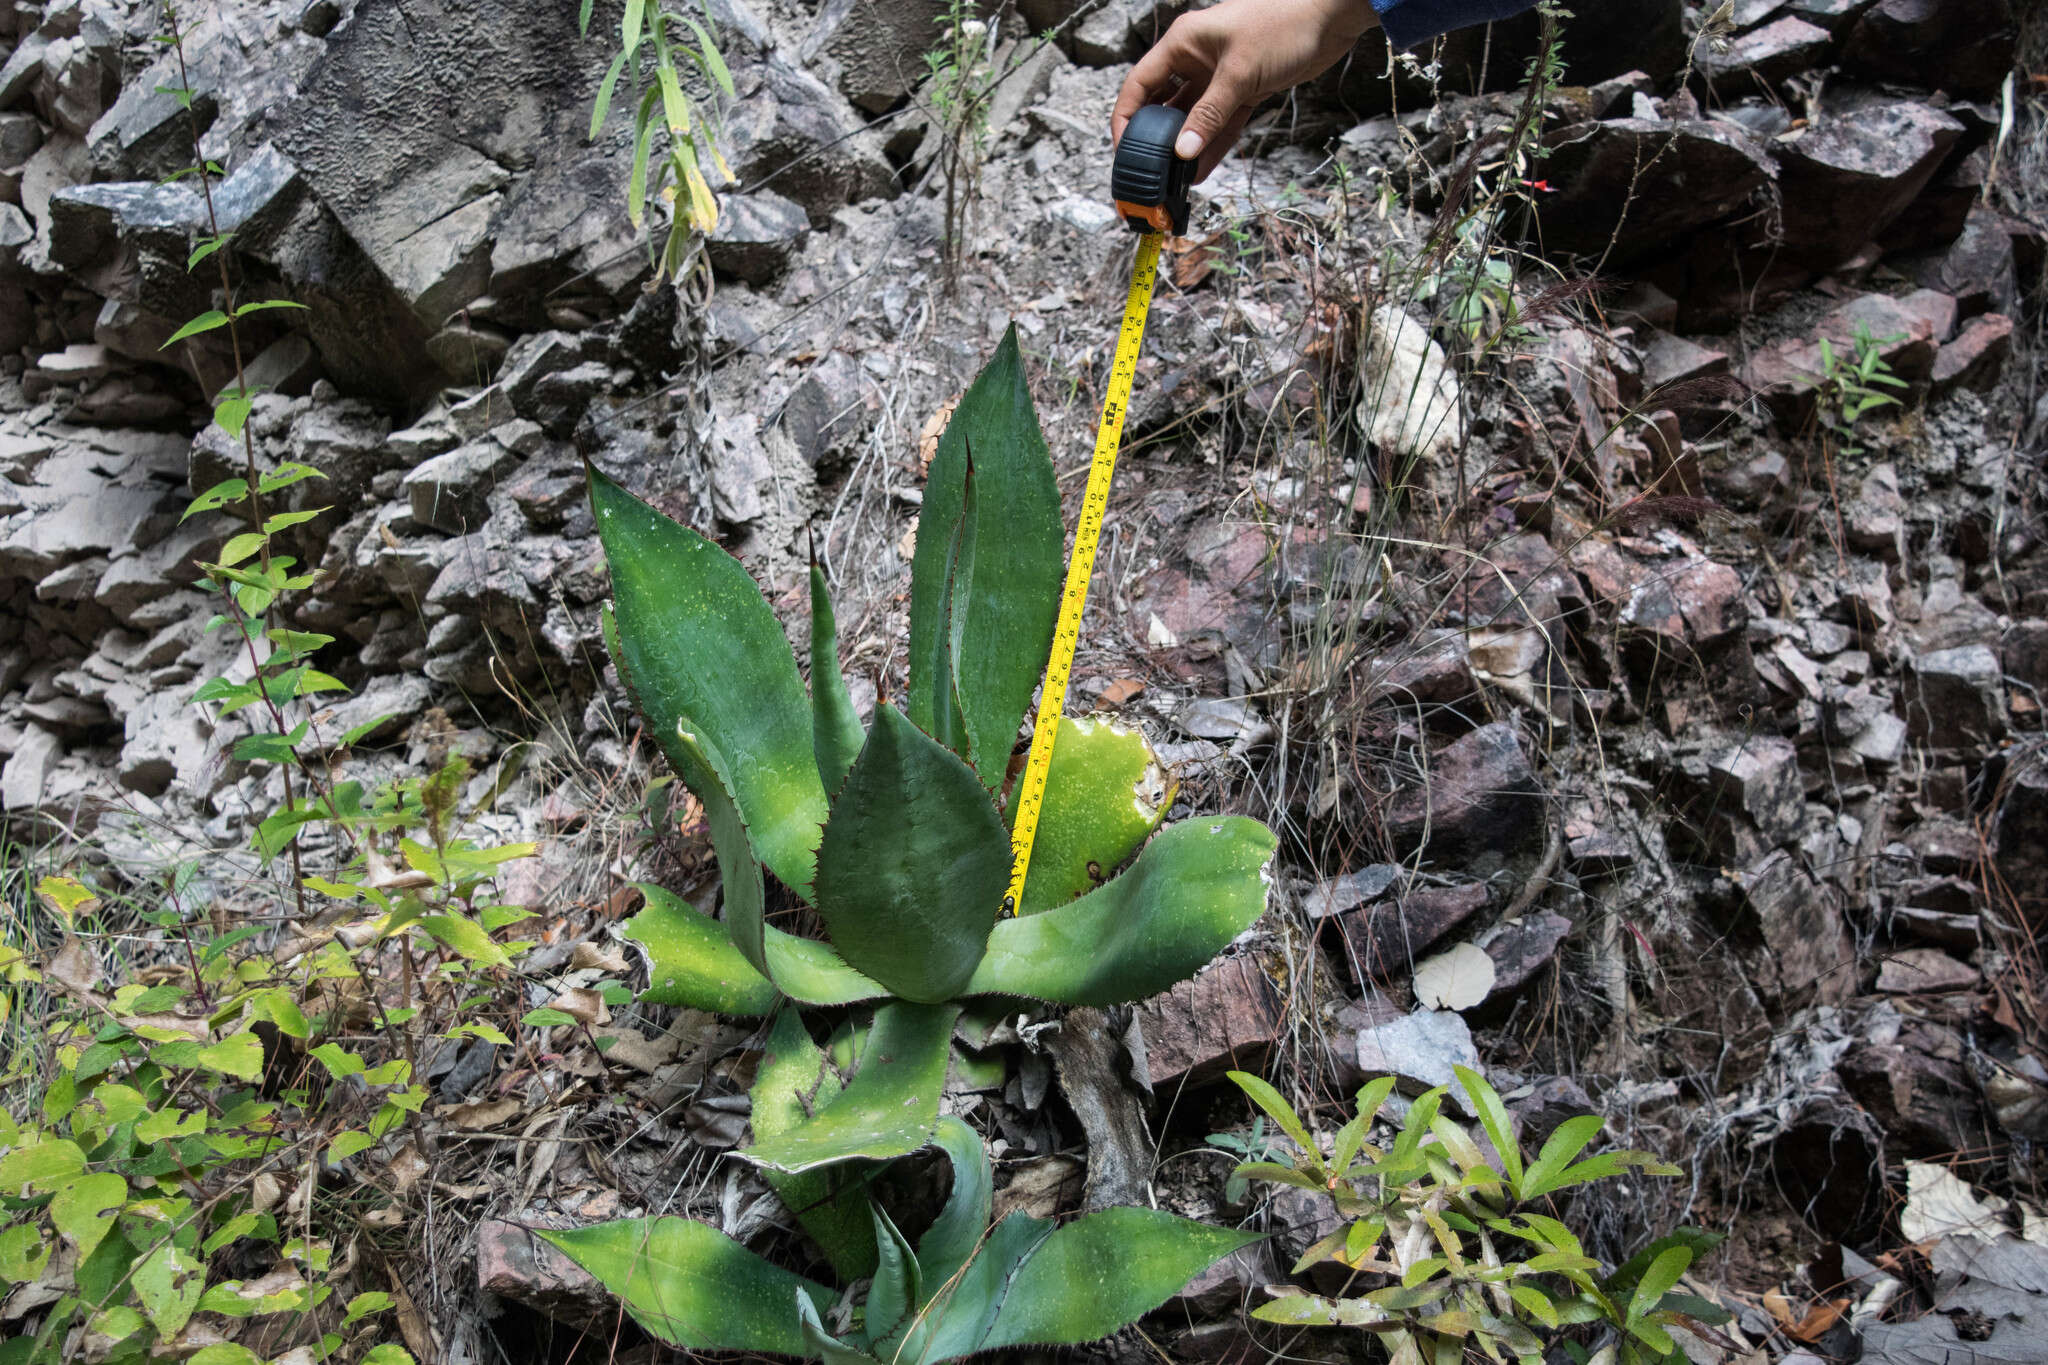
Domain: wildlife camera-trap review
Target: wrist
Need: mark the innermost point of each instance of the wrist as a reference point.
(1353, 19)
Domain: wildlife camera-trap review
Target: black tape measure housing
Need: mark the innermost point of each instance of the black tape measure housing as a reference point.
(1147, 181)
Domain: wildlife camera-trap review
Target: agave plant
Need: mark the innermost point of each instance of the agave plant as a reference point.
(964, 1288)
(898, 839)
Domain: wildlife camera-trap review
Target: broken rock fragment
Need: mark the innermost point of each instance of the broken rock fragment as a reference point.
(1225, 1019)
(1478, 794)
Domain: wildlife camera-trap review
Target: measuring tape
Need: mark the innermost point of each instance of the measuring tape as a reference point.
(1150, 187)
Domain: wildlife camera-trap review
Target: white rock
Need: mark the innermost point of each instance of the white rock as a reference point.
(1411, 402)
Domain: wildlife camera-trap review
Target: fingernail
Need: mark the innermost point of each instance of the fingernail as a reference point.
(1188, 145)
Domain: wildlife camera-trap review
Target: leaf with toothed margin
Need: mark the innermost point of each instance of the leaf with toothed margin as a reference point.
(790, 1084)
(983, 596)
(692, 962)
(697, 639)
(891, 1105)
(738, 872)
(1031, 1283)
(1104, 795)
(1196, 887)
(836, 735)
(949, 1243)
(913, 863)
(691, 1285)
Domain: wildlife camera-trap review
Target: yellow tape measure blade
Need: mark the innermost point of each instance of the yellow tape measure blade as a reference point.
(1052, 699)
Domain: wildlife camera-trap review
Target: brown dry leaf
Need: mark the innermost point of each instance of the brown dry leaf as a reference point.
(604, 1205)
(1779, 1307)
(75, 968)
(476, 1116)
(635, 1049)
(419, 1338)
(382, 876)
(298, 945)
(934, 428)
(390, 1216)
(624, 901)
(1040, 1188)
(1819, 1319)
(543, 1154)
(264, 1192)
(477, 1191)
(584, 1005)
(1122, 692)
(591, 956)
(906, 548)
(1196, 261)
(407, 1168)
(581, 1061)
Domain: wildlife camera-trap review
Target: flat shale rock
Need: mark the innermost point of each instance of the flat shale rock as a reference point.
(1479, 795)
(1225, 1019)
(1685, 175)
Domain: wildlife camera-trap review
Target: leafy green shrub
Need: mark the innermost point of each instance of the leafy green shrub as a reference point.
(907, 864)
(1433, 1220)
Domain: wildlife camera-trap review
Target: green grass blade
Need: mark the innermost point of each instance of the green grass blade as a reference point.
(913, 863)
(691, 1285)
(698, 640)
(1196, 887)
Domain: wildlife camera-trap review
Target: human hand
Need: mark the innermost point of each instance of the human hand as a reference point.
(1218, 63)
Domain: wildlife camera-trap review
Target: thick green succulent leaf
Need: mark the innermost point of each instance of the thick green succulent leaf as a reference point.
(822, 1344)
(962, 1308)
(1196, 887)
(691, 1285)
(698, 640)
(913, 864)
(1033, 1284)
(832, 1205)
(888, 1109)
(1104, 795)
(895, 1290)
(949, 1242)
(1007, 576)
(1099, 1273)
(692, 962)
(835, 726)
(738, 871)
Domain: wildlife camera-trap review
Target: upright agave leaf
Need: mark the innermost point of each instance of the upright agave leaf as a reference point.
(983, 596)
(692, 961)
(912, 865)
(836, 737)
(700, 648)
(692, 1286)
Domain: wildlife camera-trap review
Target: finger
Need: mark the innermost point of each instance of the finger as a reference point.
(1229, 91)
(1150, 77)
(1219, 146)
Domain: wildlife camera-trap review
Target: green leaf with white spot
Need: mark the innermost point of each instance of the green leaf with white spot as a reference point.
(1105, 793)
(791, 1083)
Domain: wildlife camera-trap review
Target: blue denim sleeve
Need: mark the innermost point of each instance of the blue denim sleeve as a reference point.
(1408, 22)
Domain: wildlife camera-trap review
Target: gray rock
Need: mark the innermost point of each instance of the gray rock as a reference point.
(388, 704)
(1644, 183)
(451, 492)
(1351, 890)
(1955, 698)
(1759, 778)
(1807, 955)
(1386, 940)
(756, 235)
(167, 740)
(1965, 47)
(1757, 61)
(1479, 795)
(739, 468)
(1521, 948)
(1418, 1049)
(20, 135)
(1848, 178)
(828, 410)
(559, 399)
(24, 780)
(878, 46)
(791, 134)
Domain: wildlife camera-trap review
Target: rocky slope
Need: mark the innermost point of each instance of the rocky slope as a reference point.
(1579, 639)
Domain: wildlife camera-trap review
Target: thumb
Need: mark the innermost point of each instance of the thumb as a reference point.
(1227, 92)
